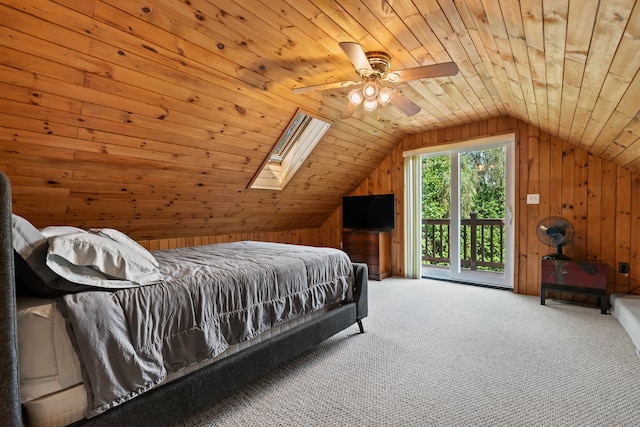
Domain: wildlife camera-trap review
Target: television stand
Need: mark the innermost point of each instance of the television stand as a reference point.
(370, 247)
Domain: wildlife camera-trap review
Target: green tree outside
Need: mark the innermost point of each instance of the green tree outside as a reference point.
(482, 190)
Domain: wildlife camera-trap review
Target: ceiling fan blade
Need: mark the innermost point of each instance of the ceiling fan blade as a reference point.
(428, 71)
(404, 104)
(348, 110)
(323, 86)
(356, 55)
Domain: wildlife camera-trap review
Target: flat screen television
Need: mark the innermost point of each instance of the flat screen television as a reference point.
(372, 212)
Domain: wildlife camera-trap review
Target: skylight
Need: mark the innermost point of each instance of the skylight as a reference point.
(292, 148)
(288, 139)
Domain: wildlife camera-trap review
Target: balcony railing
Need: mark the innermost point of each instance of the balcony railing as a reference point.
(481, 243)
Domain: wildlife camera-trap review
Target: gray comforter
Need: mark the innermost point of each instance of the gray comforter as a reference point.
(213, 296)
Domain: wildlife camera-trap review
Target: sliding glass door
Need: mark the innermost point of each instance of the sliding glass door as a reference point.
(466, 200)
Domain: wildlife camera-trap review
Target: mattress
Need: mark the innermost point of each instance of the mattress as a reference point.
(48, 362)
(626, 309)
(50, 375)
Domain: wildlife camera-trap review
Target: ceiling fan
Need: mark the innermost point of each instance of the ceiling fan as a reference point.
(374, 68)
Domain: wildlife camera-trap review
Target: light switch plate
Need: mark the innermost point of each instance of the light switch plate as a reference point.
(533, 199)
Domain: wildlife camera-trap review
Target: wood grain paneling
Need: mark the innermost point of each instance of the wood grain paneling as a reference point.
(604, 207)
(601, 199)
(153, 116)
(310, 237)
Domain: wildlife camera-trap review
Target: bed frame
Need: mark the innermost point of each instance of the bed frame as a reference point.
(169, 403)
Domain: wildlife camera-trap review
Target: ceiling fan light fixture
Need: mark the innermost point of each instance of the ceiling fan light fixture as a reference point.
(370, 90)
(373, 68)
(356, 96)
(370, 104)
(384, 95)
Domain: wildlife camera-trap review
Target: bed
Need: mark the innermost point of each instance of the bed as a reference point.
(236, 337)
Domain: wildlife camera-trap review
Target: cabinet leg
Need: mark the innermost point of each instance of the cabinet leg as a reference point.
(542, 296)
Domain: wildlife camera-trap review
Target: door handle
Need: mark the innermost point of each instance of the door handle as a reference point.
(509, 216)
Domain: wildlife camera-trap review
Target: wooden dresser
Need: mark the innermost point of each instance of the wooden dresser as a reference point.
(370, 247)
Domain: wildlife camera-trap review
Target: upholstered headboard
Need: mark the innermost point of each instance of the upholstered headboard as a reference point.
(10, 413)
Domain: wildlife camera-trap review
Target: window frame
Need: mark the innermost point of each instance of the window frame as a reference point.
(299, 138)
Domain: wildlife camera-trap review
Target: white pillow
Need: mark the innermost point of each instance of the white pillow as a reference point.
(26, 239)
(31, 269)
(123, 239)
(58, 230)
(94, 260)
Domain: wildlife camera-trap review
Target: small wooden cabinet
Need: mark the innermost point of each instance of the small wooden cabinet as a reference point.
(370, 247)
(575, 277)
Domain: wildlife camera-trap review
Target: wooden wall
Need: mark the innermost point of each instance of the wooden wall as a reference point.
(310, 236)
(600, 199)
(153, 117)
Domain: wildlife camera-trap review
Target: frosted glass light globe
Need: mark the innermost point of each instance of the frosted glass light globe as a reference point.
(370, 104)
(384, 96)
(370, 90)
(355, 96)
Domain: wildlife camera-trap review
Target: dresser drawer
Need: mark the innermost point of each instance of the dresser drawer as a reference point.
(372, 248)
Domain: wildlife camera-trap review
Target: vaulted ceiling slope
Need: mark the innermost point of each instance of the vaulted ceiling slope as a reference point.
(154, 116)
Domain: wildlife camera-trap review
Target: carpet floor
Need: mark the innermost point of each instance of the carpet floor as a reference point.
(443, 354)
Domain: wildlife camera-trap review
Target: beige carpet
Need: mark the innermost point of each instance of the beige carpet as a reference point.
(444, 354)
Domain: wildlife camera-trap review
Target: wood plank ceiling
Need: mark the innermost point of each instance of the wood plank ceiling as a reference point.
(153, 116)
